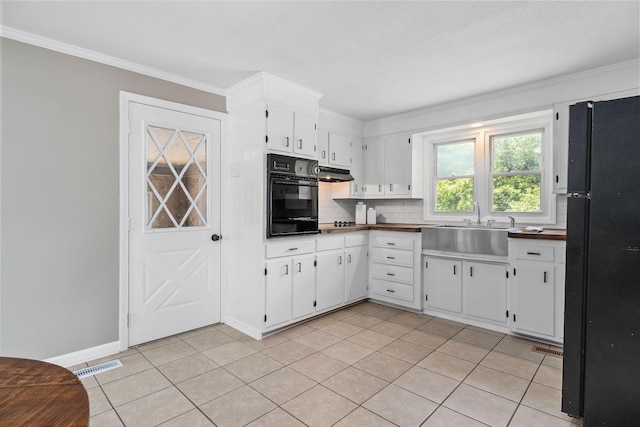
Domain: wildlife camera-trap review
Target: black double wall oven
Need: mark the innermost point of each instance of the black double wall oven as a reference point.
(292, 196)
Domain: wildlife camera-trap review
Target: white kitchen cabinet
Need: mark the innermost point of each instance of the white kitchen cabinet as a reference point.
(468, 290)
(356, 187)
(443, 284)
(334, 149)
(356, 282)
(290, 287)
(484, 291)
(291, 132)
(560, 146)
(278, 296)
(303, 286)
(398, 165)
(374, 167)
(561, 137)
(330, 289)
(394, 268)
(393, 168)
(536, 287)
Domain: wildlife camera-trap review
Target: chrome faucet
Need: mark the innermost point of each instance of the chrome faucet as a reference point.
(513, 221)
(476, 209)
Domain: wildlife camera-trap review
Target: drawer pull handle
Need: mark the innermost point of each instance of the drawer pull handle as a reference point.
(391, 290)
(390, 274)
(391, 257)
(391, 244)
(292, 249)
(533, 253)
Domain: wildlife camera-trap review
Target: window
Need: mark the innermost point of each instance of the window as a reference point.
(502, 167)
(454, 176)
(516, 175)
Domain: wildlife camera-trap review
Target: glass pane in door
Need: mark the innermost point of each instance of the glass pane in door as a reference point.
(176, 177)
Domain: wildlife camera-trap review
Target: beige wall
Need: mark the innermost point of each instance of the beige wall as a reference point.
(60, 158)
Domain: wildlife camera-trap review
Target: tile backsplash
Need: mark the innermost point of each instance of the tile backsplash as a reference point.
(408, 211)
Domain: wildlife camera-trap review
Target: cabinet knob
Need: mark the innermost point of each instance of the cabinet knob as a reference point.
(216, 237)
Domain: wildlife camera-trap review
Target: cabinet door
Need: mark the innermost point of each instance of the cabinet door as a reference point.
(305, 135)
(534, 298)
(278, 292)
(356, 168)
(443, 284)
(374, 167)
(398, 165)
(279, 129)
(356, 273)
(560, 147)
(485, 291)
(323, 148)
(339, 150)
(304, 285)
(329, 279)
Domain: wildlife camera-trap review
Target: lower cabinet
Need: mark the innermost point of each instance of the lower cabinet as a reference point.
(303, 289)
(443, 284)
(464, 288)
(537, 288)
(290, 289)
(330, 280)
(394, 268)
(484, 291)
(304, 276)
(356, 278)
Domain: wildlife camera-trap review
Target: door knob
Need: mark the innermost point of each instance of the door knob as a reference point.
(216, 237)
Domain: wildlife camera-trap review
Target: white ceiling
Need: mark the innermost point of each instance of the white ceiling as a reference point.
(369, 59)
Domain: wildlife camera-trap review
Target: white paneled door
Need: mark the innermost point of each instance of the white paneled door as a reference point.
(174, 210)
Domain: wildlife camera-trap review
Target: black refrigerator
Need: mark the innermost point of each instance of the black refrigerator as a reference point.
(601, 368)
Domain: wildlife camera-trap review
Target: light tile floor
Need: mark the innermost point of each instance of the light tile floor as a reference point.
(366, 365)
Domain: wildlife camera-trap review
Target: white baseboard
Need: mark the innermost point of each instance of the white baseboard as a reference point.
(243, 327)
(83, 356)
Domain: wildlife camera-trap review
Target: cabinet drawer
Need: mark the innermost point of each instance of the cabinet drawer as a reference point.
(392, 273)
(392, 290)
(275, 250)
(392, 256)
(330, 243)
(535, 253)
(393, 242)
(351, 240)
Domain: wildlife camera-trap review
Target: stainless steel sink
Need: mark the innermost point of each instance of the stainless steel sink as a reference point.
(474, 239)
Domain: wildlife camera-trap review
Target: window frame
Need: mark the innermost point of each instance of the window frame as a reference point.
(483, 166)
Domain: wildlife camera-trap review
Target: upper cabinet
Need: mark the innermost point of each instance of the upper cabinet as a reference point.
(356, 187)
(393, 168)
(561, 137)
(334, 149)
(291, 132)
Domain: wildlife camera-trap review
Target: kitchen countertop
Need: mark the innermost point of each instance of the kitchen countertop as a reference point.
(412, 228)
(545, 234)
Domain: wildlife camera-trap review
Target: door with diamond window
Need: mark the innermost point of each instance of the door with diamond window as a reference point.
(174, 210)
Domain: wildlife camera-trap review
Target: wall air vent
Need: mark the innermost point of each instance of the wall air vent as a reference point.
(98, 369)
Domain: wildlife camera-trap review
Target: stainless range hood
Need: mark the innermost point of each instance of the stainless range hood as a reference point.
(327, 174)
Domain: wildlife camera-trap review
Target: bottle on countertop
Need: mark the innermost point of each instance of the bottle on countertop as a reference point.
(361, 213)
(371, 216)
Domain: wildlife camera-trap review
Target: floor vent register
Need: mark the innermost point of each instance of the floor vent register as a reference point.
(98, 369)
(548, 351)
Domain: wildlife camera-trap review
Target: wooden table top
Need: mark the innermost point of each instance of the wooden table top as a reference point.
(36, 393)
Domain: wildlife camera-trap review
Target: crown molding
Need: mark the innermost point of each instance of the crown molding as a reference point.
(57, 46)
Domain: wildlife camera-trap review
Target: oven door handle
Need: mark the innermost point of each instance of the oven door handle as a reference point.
(296, 183)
